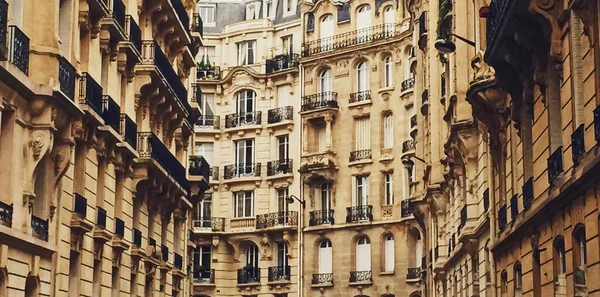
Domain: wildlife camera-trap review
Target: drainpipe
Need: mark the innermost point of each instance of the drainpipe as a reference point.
(300, 205)
(492, 218)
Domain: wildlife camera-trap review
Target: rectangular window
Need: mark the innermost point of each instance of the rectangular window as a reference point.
(287, 45)
(361, 190)
(251, 11)
(389, 189)
(207, 13)
(244, 157)
(202, 260)
(283, 147)
(282, 204)
(245, 51)
(207, 105)
(326, 196)
(269, 9)
(289, 5)
(204, 149)
(282, 255)
(243, 204)
(363, 134)
(388, 131)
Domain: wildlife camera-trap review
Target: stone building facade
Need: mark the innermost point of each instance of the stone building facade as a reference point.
(96, 126)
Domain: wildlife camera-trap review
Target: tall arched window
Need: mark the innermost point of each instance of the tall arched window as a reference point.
(560, 262)
(518, 279)
(388, 131)
(325, 257)
(363, 24)
(250, 273)
(389, 253)
(363, 254)
(579, 255)
(503, 283)
(252, 255)
(245, 101)
(32, 287)
(326, 32)
(387, 71)
(388, 20)
(325, 85)
(362, 70)
(326, 196)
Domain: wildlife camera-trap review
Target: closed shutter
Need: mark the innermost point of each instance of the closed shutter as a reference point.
(363, 134)
(283, 96)
(388, 130)
(363, 257)
(389, 254)
(322, 139)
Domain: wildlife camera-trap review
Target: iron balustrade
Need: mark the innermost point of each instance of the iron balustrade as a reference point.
(181, 13)
(118, 12)
(555, 164)
(209, 72)
(463, 217)
(282, 62)
(425, 97)
(6, 214)
(90, 93)
(284, 166)
(111, 113)
(80, 207)
(320, 101)
(360, 276)
(18, 51)
(494, 18)
(344, 40)
(597, 125)
(243, 119)
(413, 121)
(408, 145)
(321, 217)
(151, 241)
(436, 252)
(360, 155)
(214, 173)
(197, 24)
(134, 33)
(423, 28)
(407, 84)
(248, 275)
(361, 213)
(215, 223)
(578, 143)
(514, 207)
(277, 219)
(164, 251)
(119, 228)
(177, 261)
(486, 199)
(128, 130)
(405, 208)
(149, 146)
(502, 218)
(196, 93)
(277, 115)
(101, 217)
(360, 96)
(413, 273)
(527, 193)
(39, 227)
(3, 29)
(279, 273)
(579, 276)
(322, 279)
(137, 237)
(66, 77)
(204, 275)
(199, 167)
(209, 121)
(190, 235)
(241, 170)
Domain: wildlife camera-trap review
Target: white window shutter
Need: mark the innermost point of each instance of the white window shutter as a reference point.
(283, 95)
(389, 255)
(354, 194)
(325, 260)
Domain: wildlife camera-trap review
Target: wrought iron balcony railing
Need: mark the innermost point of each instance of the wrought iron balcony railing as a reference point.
(361, 213)
(248, 275)
(214, 173)
(206, 121)
(279, 273)
(597, 125)
(66, 77)
(413, 121)
(280, 114)
(423, 28)
(137, 237)
(128, 130)
(406, 208)
(555, 164)
(18, 51)
(345, 40)
(577, 143)
(360, 155)
(282, 62)
(199, 167)
(6, 214)
(514, 207)
(3, 29)
(408, 145)
(181, 13)
(134, 33)
(527, 194)
(463, 217)
(197, 24)
(149, 146)
(119, 228)
(321, 217)
(486, 200)
(90, 93)
(241, 170)
(243, 119)
(177, 261)
(407, 84)
(208, 72)
(151, 241)
(360, 96)
(118, 12)
(80, 207)
(111, 113)
(320, 101)
(494, 19)
(284, 166)
(277, 219)
(322, 279)
(101, 217)
(206, 276)
(214, 223)
(164, 251)
(502, 218)
(413, 273)
(39, 227)
(360, 276)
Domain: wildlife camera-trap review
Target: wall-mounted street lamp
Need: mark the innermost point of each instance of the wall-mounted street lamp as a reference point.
(446, 46)
(290, 199)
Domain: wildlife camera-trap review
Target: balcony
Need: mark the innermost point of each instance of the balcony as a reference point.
(90, 94)
(555, 164)
(119, 228)
(203, 276)
(350, 39)
(502, 218)
(527, 194)
(577, 143)
(236, 120)
(413, 126)
(321, 217)
(360, 97)
(281, 114)
(214, 174)
(3, 26)
(514, 207)
(413, 274)
(197, 24)
(357, 214)
(198, 167)
(6, 214)
(18, 49)
(80, 207)
(325, 100)
(407, 85)
(280, 167)
(66, 78)
(208, 122)
(277, 219)
(406, 208)
(100, 234)
(164, 253)
(207, 68)
(111, 113)
(282, 62)
(423, 29)
(360, 277)
(425, 102)
(119, 244)
(149, 146)
(486, 200)
(128, 131)
(241, 170)
(248, 275)
(597, 125)
(408, 146)
(132, 45)
(324, 161)
(360, 155)
(322, 279)
(243, 223)
(39, 227)
(279, 274)
(463, 218)
(114, 22)
(181, 13)
(177, 261)
(212, 224)
(137, 238)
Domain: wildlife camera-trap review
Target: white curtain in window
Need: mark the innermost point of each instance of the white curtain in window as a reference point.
(363, 24)
(325, 257)
(363, 255)
(283, 96)
(326, 32)
(360, 190)
(325, 84)
(388, 131)
(388, 72)
(205, 149)
(363, 76)
(389, 253)
(362, 134)
(389, 189)
(388, 20)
